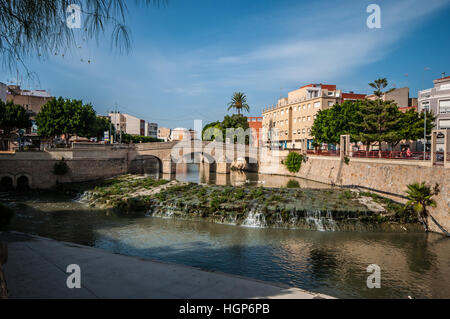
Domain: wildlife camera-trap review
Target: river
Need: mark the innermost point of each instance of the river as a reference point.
(334, 263)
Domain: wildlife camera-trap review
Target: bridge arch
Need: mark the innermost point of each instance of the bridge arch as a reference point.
(23, 181)
(6, 182)
(146, 164)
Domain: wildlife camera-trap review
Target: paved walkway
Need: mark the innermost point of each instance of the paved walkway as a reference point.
(37, 269)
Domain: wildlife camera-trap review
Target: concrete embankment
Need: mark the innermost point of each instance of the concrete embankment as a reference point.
(37, 269)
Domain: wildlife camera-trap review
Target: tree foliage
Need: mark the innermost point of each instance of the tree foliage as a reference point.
(378, 85)
(420, 198)
(293, 162)
(380, 119)
(37, 28)
(238, 122)
(13, 117)
(239, 103)
(128, 138)
(331, 123)
(68, 117)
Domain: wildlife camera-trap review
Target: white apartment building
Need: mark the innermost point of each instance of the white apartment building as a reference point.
(437, 100)
(132, 125)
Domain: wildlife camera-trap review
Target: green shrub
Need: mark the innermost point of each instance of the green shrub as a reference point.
(60, 168)
(293, 162)
(346, 160)
(293, 184)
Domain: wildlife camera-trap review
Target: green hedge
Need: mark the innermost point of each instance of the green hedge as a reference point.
(293, 162)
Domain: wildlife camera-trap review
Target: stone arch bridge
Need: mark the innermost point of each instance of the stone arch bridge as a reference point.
(93, 161)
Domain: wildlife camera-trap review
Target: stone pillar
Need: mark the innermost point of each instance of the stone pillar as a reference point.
(169, 167)
(223, 168)
(344, 146)
(447, 148)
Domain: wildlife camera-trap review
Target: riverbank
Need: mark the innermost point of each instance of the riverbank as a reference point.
(290, 207)
(107, 275)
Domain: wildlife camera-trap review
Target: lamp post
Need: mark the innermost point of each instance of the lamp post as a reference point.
(425, 110)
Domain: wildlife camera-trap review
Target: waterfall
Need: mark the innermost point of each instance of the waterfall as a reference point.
(316, 218)
(254, 219)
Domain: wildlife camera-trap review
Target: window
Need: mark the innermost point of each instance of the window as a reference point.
(443, 124)
(282, 112)
(317, 105)
(294, 131)
(309, 118)
(444, 87)
(426, 106)
(309, 105)
(299, 131)
(444, 107)
(286, 122)
(330, 93)
(295, 120)
(330, 103)
(304, 131)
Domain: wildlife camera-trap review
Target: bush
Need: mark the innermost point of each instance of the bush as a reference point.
(293, 162)
(346, 160)
(293, 184)
(60, 168)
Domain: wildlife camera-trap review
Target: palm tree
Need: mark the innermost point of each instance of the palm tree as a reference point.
(238, 102)
(420, 197)
(379, 85)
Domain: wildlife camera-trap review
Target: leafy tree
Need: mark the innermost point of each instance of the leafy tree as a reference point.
(239, 102)
(209, 128)
(235, 121)
(68, 117)
(331, 123)
(410, 127)
(378, 85)
(128, 138)
(420, 197)
(37, 28)
(12, 118)
(380, 120)
(100, 126)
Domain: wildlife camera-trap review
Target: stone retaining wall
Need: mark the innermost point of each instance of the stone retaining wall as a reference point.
(388, 176)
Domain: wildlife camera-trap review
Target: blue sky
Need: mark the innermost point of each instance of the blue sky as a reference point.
(189, 57)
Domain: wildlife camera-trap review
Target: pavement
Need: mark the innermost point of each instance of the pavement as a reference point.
(36, 269)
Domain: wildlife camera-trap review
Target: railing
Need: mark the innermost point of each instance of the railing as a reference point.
(323, 152)
(418, 156)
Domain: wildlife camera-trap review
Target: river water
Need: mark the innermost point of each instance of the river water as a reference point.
(334, 263)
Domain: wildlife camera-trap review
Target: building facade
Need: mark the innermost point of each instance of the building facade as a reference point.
(3, 89)
(164, 133)
(437, 100)
(31, 100)
(400, 97)
(151, 129)
(293, 116)
(255, 124)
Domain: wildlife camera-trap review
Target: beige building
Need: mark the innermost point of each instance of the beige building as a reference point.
(294, 115)
(164, 133)
(31, 100)
(128, 124)
(400, 97)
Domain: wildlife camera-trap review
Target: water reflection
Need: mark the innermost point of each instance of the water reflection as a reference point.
(335, 263)
(200, 173)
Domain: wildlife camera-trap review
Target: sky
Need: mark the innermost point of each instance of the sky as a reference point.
(189, 57)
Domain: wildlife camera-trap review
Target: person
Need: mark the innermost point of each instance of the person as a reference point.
(408, 152)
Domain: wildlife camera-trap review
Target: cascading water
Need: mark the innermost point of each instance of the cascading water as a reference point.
(321, 223)
(254, 219)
